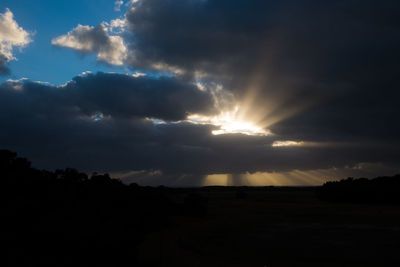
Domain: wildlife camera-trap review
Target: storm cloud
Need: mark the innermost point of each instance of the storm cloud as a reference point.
(333, 63)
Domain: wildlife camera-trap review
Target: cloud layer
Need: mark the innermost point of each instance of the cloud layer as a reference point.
(100, 122)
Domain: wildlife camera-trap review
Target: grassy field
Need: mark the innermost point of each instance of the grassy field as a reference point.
(276, 227)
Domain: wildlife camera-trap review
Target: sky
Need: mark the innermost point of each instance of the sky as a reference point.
(203, 92)
(40, 60)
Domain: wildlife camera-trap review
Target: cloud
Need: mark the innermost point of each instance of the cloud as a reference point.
(287, 178)
(132, 3)
(212, 35)
(100, 122)
(11, 36)
(110, 49)
(3, 65)
(117, 5)
(119, 95)
(312, 70)
(116, 25)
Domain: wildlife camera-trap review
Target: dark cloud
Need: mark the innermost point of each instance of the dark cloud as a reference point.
(212, 35)
(58, 127)
(198, 35)
(116, 95)
(336, 62)
(124, 96)
(4, 70)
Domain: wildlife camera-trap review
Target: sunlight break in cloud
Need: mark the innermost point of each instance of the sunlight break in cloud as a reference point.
(229, 123)
(287, 143)
(230, 119)
(11, 35)
(88, 39)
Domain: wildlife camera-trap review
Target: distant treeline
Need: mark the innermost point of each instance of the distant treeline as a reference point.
(67, 218)
(380, 190)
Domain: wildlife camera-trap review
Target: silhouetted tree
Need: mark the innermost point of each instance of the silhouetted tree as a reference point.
(380, 190)
(78, 221)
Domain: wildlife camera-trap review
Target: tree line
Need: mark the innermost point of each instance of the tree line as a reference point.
(68, 218)
(379, 190)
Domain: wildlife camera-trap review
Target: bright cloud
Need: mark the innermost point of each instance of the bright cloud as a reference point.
(117, 5)
(132, 2)
(287, 143)
(11, 36)
(88, 39)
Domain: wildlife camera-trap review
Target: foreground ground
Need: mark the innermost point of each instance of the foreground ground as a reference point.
(275, 227)
(66, 218)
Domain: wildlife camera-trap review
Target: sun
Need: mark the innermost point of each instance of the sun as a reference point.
(238, 127)
(229, 122)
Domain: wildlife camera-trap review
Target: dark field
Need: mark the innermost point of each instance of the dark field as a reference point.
(217, 227)
(67, 218)
(276, 227)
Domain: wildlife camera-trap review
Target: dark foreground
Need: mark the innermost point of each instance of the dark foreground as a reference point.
(283, 227)
(65, 218)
